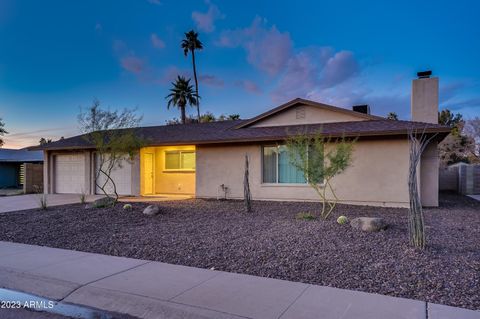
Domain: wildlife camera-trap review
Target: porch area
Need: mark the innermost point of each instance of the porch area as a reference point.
(167, 172)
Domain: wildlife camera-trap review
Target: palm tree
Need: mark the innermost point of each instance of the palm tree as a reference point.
(392, 116)
(2, 131)
(181, 94)
(190, 44)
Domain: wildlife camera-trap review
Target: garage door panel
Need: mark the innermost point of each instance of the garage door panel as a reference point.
(70, 174)
(122, 176)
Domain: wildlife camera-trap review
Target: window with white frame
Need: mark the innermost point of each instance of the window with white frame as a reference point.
(180, 160)
(277, 168)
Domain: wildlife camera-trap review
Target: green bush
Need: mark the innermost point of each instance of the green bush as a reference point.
(342, 220)
(305, 216)
(127, 207)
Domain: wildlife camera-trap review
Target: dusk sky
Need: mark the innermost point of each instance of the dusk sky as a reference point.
(57, 56)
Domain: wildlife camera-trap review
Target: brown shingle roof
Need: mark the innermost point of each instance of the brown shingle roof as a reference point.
(228, 132)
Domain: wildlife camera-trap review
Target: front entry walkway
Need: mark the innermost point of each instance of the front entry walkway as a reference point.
(477, 197)
(148, 289)
(32, 201)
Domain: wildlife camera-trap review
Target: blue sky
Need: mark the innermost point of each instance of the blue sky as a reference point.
(56, 56)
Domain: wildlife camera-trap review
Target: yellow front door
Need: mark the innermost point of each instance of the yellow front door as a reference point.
(149, 177)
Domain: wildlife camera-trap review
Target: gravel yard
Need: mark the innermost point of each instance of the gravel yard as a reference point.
(270, 242)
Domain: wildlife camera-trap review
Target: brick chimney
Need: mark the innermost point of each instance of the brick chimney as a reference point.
(424, 100)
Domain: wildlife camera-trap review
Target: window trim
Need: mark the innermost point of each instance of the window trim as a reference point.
(179, 152)
(277, 183)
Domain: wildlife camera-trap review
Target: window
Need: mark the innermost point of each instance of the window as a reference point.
(180, 160)
(277, 167)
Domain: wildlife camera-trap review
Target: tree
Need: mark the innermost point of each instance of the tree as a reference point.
(204, 118)
(446, 117)
(472, 130)
(234, 117)
(181, 95)
(416, 225)
(207, 117)
(230, 117)
(44, 141)
(392, 116)
(112, 134)
(2, 131)
(457, 146)
(320, 158)
(191, 43)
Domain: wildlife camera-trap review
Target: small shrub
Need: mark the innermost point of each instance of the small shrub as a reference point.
(104, 202)
(305, 216)
(42, 201)
(83, 198)
(342, 220)
(127, 207)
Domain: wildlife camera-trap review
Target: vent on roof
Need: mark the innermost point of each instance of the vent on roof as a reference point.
(365, 109)
(300, 112)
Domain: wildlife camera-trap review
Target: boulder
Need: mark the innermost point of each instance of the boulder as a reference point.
(151, 210)
(104, 202)
(369, 224)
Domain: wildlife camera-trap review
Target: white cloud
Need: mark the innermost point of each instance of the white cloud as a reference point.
(206, 21)
(157, 42)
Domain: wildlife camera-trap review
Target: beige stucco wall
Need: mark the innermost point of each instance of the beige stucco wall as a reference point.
(378, 175)
(167, 182)
(306, 114)
(429, 175)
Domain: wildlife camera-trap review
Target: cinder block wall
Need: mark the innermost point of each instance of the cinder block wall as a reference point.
(448, 178)
(33, 178)
(469, 179)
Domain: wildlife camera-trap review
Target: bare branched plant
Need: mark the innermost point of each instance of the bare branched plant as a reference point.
(246, 187)
(42, 197)
(321, 158)
(83, 197)
(416, 225)
(113, 135)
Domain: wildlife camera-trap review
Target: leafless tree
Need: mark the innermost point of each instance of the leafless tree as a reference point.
(246, 187)
(416, 224)
(472, 129)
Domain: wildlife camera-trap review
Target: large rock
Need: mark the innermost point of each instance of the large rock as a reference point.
(104, 202)
(369, 224)
(151, 210)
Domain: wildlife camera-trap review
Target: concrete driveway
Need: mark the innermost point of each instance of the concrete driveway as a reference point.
(31, 201)
(477, 197)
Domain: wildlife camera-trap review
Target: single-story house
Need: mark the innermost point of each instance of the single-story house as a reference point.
(204, 159)
(13, 164)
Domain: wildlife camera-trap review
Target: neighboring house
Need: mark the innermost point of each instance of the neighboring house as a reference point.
(201, 159)
(13, 166)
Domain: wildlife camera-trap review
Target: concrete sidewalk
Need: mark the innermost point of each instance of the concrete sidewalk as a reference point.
(149, 289)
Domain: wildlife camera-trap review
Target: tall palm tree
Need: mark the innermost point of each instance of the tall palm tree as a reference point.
(181, 95)
(190, 44)
(2, 131)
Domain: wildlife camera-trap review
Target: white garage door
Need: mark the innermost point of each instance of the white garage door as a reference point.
(122, 176)
(70, 174)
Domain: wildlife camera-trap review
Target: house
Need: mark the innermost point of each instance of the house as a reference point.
(204, 159)
(20, 168)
